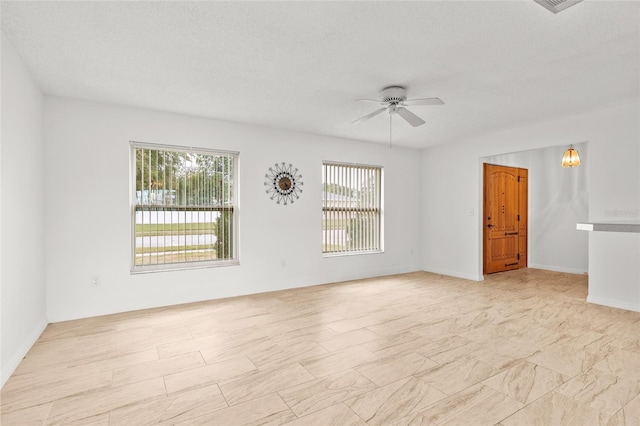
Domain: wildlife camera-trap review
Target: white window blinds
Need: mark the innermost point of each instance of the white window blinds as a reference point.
(184, 207)
(351, 208)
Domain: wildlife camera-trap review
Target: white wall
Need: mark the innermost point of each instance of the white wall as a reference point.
(558, 199)
(22, 286)
(88, 210)
(452, 180)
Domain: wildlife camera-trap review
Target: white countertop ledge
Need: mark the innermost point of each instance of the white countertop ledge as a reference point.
(628, 226)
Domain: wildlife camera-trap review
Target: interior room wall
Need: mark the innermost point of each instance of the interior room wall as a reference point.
(452, 180)
(88, 210)
(614, 270)
(558, 199)
(22, 264)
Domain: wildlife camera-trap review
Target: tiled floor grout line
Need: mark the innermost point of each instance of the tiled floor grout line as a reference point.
(223, 395)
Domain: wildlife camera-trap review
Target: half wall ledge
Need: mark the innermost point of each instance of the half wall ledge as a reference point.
(626, 226)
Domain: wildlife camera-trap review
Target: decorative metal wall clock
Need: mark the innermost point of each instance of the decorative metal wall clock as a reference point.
(283, 183)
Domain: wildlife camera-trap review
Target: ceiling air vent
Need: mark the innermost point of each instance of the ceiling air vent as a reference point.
(557, 5)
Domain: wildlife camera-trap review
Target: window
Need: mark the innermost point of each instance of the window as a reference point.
(184, 207)
(351, 208)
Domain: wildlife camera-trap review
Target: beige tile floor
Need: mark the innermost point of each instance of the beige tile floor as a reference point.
(520, 348)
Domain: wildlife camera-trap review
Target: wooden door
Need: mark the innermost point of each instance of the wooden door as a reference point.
(505, 218)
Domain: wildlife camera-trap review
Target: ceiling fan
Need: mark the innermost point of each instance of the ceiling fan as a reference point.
(394, 99)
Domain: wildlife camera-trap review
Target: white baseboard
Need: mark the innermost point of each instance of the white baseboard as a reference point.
(16, 358)
(451, 273)
(557, 268)
(612, 303)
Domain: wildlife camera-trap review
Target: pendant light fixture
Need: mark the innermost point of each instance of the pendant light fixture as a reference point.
(571, 158)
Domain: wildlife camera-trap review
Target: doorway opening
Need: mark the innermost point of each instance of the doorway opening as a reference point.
(558, 198)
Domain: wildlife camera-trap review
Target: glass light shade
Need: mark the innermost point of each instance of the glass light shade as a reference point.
(571, 158)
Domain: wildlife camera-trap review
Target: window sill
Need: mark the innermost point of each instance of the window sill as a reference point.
(182, 267)
(357, 253)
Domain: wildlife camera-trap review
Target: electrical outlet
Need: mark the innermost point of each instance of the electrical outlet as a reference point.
(95, 280)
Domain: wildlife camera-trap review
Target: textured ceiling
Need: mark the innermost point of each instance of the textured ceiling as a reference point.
(300, 65)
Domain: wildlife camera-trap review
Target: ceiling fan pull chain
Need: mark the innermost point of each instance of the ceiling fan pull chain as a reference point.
(390, 117)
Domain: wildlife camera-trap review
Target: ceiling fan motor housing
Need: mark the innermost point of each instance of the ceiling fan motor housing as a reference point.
(393, 94)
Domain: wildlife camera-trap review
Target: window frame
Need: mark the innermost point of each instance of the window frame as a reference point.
(188, 265)
(379, 232)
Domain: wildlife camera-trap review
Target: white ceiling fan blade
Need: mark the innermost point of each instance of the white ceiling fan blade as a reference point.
(411, 118)
(369, 100)
(424, 101)
(368, 116)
